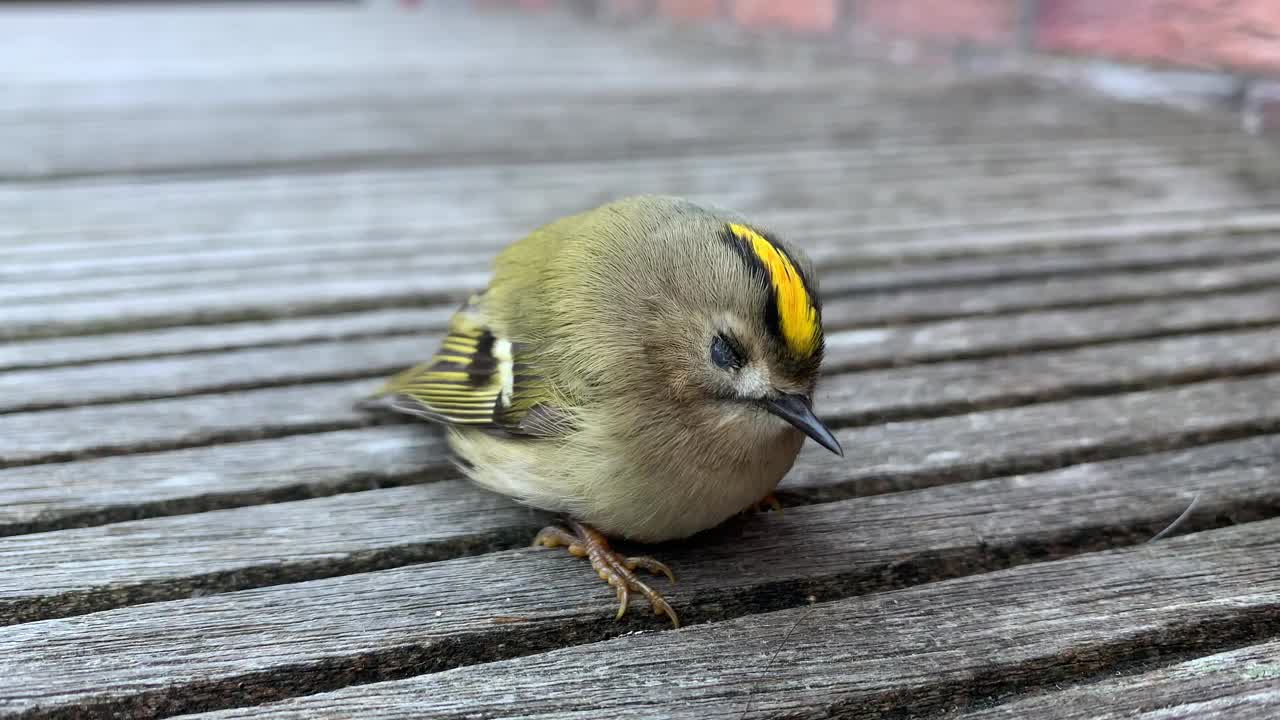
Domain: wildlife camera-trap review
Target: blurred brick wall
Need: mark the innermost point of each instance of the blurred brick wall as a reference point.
(1241, 35)
(1239, 38)
(985, 22)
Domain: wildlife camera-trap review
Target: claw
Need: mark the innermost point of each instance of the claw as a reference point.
(614, 569)
(652, 566)
(623, 596)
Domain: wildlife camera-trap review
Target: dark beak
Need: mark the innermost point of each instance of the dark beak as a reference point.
(796, 410)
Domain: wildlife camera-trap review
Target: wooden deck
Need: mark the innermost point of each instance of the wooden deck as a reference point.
(1053, 321)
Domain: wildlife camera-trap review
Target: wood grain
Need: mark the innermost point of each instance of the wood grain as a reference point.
(913, 651)
(409, 129)
(879, 347)
(255, 220)
(168, 341)
(129, 380)
(875, 347)
(1052, 330)
(202, 307)
(994, 632)
(901, 455)
(1004, 520)
(78, 432)
(466, 200)
(71, 433)
(52, 496)
(54, 278)
(1241, 684)
(126, 487)
(1098, 288)
(84, 349)
(394, 253)
(169, 305)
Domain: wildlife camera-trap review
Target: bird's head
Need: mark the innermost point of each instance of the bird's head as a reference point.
(738, 322)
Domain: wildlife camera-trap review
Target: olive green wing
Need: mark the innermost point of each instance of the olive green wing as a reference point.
(479, 379)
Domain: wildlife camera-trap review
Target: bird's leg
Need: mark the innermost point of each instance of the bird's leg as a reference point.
(764, 504)
(613, 568)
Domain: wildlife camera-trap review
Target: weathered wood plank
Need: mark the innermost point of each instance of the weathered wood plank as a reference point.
(149, 378)
(64, 434)
(1206, 252)
(402, 277)
(123, 273)
(174, 308)
(320, 361)
(171, 308)
(949, 449)
(1241, 684)
(263, 214)
(254, 272)
(915, 305)
(72, 572)
(387, 252)
(79, 432)
(860, 658)
(1003, 381)
(1048, 621)
(398, 211)
(174, 557)
(448, 192)
(1044, 330)
(114, 489)
(896, 456)
(129, 380)
(107, 347)
(410, 130)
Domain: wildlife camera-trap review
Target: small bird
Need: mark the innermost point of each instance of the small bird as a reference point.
(646, 369)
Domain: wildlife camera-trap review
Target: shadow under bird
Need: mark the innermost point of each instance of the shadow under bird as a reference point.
(645, 369)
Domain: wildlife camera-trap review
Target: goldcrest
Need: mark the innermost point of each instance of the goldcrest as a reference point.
(645, 369)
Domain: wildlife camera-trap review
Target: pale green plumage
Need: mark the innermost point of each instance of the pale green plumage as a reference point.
(605, 405)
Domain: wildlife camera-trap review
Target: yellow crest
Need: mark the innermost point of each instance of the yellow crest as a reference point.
(797, 313)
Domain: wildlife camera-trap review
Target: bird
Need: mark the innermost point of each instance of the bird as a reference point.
(644, 369)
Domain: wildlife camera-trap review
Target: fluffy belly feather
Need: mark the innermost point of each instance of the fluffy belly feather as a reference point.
(690, 488)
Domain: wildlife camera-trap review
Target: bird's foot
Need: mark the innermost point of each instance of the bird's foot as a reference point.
(615, 569)
(764, 504)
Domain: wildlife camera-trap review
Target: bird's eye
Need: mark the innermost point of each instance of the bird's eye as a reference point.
(723, 354)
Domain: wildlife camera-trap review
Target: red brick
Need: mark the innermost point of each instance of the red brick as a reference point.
(689, 9)
(988, 22)
(800, 15)
(1241, 34)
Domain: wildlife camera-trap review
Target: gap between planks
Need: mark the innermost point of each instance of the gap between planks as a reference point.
(1236, 685)
(841, 275)
(1009, 520)
(989, 334)
(75, 350)
(848, 304)
(904, 653)
(59, 435)
(825, 236)
(894, 456)
(1006, 630)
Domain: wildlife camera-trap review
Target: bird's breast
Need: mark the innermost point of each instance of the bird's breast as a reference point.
(700, 484)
